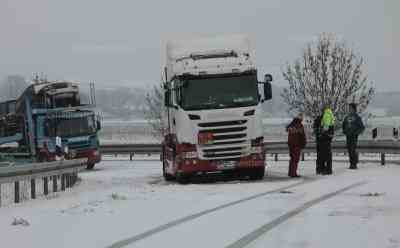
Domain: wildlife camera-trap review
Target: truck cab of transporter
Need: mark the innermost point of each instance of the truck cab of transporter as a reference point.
(213, 109)
(48, 110)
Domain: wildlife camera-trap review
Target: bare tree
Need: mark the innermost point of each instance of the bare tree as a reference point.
(327, 73)
(155, 114)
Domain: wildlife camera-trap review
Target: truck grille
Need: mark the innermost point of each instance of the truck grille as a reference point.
(222, 123)
(229, 140)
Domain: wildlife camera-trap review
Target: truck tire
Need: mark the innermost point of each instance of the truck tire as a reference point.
(42, 158)
(90, 166)
(257, 173)
(183, 178)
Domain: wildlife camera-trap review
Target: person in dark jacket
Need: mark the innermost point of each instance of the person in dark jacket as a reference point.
(352, 128)
(296, 142)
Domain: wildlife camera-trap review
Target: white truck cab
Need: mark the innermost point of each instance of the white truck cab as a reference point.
(213, 104)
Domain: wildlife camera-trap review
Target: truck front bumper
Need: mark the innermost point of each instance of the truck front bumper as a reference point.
(93, 155)
(198, 165)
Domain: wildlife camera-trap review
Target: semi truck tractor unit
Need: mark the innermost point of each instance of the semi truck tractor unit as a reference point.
(213, 109)
(78, 132)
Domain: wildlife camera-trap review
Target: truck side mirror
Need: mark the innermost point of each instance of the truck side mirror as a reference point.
(267, 91)
(268, 78)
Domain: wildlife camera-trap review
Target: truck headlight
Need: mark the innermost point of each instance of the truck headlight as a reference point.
(205, 138)
(72, 153)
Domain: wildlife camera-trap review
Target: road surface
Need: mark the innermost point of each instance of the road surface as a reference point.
(127, 204)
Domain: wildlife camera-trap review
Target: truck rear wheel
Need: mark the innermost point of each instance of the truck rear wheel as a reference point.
(90, 166)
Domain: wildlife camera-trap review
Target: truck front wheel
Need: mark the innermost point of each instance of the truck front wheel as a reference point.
(257, 173)
(182, 178)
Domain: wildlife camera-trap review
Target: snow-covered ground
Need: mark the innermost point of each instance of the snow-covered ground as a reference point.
(121, 200)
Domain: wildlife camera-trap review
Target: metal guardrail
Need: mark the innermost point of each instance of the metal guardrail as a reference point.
(66, 171)
(381, 147)
(364, 146)
(275, 147)
(131, 149)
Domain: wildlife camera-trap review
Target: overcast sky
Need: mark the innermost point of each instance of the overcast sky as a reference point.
(123, 42)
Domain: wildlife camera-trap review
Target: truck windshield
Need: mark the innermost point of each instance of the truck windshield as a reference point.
(220, 92)
(66, 100)
(72, 127)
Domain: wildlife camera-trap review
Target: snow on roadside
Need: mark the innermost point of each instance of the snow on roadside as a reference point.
(122, 198)
(88, 216)
(366, 216)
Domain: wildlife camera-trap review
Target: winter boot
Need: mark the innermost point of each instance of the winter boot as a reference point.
(353, 167)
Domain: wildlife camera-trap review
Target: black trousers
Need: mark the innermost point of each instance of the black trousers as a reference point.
(324, 157)
(351, 143)
(319, 165)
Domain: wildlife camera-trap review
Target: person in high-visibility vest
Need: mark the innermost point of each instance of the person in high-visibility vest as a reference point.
(325, 140)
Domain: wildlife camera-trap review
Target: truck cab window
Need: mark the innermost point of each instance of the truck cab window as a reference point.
(230, 91)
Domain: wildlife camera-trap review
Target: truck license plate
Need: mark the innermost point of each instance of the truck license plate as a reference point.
(226, 165)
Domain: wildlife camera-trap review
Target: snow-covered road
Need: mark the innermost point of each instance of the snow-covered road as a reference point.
(128, 204)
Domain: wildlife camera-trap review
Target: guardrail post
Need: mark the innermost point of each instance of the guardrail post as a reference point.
(72, 181)
(130, 156)
(45, 186)
(276, 157)
(33, 189)
(67, 180)
(16, 192)
(54, 183)
(383, 159)
(63, 182)
(74, 178)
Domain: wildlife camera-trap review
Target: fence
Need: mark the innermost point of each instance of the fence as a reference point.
(381, 147)
(64, 172)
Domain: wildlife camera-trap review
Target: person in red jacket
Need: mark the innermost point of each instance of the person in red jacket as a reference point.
(296, 141)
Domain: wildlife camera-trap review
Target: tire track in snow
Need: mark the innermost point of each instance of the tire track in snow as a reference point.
(254, 235)
(146, 234)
